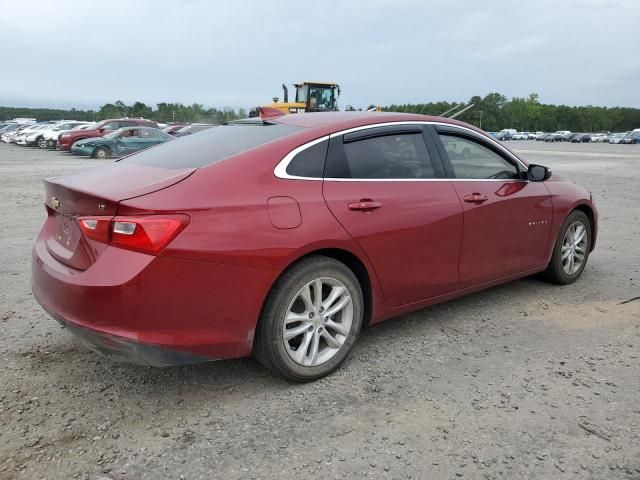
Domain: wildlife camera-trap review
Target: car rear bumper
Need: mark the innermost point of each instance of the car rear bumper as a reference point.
(129, 351)
(153, 310)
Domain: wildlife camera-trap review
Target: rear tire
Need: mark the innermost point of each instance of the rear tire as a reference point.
(571, 250)
(303, 335)
(101, 153)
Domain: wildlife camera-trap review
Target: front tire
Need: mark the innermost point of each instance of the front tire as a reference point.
(101, 153)
(571, 250)
(310, 321)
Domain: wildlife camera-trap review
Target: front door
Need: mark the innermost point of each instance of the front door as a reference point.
(507, 220)
(389, 192)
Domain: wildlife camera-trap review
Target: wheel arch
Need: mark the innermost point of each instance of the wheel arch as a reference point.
(352, 261)
(104, 147)
(588, 211)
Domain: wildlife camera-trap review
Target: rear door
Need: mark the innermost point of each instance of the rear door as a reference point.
(148, 138)
(389, 191)
(507, 219)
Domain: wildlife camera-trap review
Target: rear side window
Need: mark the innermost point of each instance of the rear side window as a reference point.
(211, 145)
(309, 162)
(399, 156)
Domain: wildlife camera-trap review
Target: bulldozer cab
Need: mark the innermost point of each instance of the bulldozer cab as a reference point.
(318, 96)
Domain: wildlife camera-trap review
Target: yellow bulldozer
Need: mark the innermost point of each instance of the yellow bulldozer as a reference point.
(310, 97)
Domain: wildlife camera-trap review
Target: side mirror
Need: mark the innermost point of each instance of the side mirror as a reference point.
(539, 173)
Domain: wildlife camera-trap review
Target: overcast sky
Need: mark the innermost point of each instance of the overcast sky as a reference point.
(86, 53)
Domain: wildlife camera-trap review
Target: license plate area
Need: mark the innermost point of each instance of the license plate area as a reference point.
(66, 231)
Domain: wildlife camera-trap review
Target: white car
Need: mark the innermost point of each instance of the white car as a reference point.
(599, 137)
(536, 135)
(21, 138)
(520, 136)
(10, 137)
(48, 138)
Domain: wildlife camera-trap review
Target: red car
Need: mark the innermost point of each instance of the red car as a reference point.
(67, 139)
(283, 237)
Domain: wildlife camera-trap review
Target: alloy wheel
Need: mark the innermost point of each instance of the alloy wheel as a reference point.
(318, 321)
(574, 247)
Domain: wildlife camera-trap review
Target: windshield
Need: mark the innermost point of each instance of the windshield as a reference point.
(211, 145)
(320, 97)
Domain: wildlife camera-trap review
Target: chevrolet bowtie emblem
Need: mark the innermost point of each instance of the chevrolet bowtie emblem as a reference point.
(55, 202)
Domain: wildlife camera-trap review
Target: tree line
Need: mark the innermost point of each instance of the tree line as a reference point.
(164, 113)
(492, 112)
(495, 112)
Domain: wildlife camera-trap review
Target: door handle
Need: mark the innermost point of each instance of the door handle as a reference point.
(475, 198)
(364, 205)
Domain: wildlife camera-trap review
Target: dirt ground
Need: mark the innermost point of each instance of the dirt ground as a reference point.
(525, 380)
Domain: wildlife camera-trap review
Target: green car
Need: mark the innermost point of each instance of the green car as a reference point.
(121, 142)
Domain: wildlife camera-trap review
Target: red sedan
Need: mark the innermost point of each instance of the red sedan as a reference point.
(282, 238)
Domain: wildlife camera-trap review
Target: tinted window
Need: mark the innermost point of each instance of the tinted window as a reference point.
(389, 156)
(211, 145)
(309, 162)
(126, 123)
(473, 160)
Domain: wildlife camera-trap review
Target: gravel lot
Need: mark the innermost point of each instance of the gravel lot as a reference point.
(525, 380)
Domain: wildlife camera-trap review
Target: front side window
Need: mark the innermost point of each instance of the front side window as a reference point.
(472, 160)
(399, 156)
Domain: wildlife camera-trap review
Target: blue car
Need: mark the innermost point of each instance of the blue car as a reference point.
(121, 142)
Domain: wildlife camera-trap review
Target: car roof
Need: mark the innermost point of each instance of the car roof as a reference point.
(335, 121)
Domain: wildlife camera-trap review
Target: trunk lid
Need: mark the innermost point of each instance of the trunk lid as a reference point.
(96, 192)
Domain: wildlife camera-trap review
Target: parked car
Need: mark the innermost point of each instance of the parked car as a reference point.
(541, 137)
(633, 137)
(617, 137)
(66, 140)
(22, 135)
(170, 129)
(50, 137)
(9, 131)
(552, 137)
(575, 138)
(343, 220)
(566, 137)
(121, 142)
(191, 129)
(520, 136)
(599, 137)
(535, 135)
(37, 138)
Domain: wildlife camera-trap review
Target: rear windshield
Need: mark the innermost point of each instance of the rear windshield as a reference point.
(211, 145)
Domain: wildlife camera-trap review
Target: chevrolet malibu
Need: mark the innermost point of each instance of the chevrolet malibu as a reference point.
(281, 238)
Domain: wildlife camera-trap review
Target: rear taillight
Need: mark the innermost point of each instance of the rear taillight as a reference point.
(147, 234)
